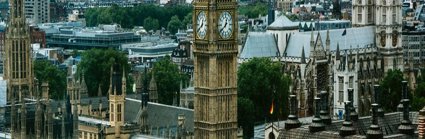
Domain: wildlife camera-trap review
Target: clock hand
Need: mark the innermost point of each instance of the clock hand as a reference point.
(225, 25)
(202, 24)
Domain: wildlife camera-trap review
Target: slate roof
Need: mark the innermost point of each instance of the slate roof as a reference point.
(259, 44)
(159, 115)
(282, 22)
(361, 37)
(389, 125)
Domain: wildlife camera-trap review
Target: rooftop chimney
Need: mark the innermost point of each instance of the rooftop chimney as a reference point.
(292, 121)
(374, 131)
(353, 113)
(317, 124)
(347, 128)
(421, 123)
(324, 114)
(377, 98)
(406, 125)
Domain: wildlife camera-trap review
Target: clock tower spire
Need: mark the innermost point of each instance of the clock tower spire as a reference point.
(215, 51)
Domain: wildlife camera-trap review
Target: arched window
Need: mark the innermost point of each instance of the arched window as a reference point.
(271, 135)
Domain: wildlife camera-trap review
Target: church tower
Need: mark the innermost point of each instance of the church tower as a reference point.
(117, 98)
(215, 51)
(388, 33)
(386, 16)
(18, 67)
(18, 62)
(364, 12)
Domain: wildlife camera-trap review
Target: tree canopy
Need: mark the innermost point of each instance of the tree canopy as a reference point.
(174, 25)
(418, 100)
(167, 77)
(96, 65)
(392, 90)
(128, 17)
(45, 71)
(263, 82)
(253, 10)
(150, 24)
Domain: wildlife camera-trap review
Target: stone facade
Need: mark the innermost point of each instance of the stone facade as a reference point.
(215, 102)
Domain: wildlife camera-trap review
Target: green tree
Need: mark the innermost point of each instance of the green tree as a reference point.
(174, 24)
(96, 65)
(263, 82)
(167, 77)
(150, 24)
(187, 19)
(45, 71)
(391, 90)
(246, 116)
(253, 10)
(123, 15)
(417, 103)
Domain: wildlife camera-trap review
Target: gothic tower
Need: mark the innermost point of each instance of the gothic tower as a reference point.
(18, 62)
(18, 67)
(117, 98)
(364, 12)
(388, 33)
(386, 16)
(153, 93)
(215, 52)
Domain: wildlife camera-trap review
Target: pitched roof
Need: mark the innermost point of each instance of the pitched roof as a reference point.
(361, 37)
(259, 44)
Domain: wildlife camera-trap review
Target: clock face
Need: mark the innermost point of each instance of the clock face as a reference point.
(201, 25)
(225, 25)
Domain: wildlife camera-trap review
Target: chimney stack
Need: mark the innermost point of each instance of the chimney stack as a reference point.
(324, 114)
(347, 128)
(292, 121)
(317, 124)
(353, 114)
(374, 131)
(421, 123)
(406, 125)
(377, 98)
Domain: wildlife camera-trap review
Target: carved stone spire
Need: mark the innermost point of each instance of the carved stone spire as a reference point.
(303, 60)
(328, 42)
(153, 94)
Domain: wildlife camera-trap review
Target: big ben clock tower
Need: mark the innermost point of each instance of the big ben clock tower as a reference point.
(215, 50)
